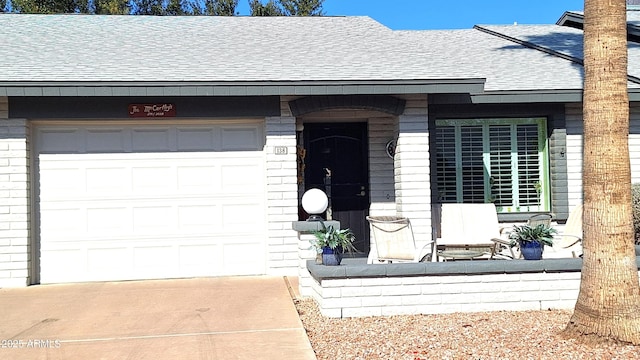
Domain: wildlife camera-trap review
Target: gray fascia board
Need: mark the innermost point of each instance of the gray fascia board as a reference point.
(634, 95)
(560, 96)
(302, 88)
(570, 16)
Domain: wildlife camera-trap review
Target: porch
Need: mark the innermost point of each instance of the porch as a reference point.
(356, 289)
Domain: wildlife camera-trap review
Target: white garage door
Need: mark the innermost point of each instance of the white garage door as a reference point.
(120, 202)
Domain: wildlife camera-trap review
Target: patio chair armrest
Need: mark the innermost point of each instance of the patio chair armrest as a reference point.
(576, 239)
(501, 241)
(421, 255)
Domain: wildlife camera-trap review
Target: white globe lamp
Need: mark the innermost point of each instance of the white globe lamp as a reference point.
(314, 202)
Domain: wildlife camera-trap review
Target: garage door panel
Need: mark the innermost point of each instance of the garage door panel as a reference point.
(122, 203)
(59, 141)
(108, 180)
(197, 256)
(149, 179)
(111, 221)
(62, 264)
(240, 178)
(200, 218)
(154, 139)
(105, 140)
(239, 257)
(241, 217)
(197, 139)
(57, 181)
(198, 178)
(239, 138)
(107, 259)
(153, 220)
(149, 257)
(63, 221)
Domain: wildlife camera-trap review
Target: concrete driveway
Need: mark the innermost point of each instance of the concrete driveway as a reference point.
(205, 318)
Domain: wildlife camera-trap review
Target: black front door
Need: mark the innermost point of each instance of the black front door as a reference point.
(337, 162)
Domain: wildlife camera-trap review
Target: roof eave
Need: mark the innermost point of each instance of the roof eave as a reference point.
(253, 88)
(571, 19)
(528, 96)
(538, 96)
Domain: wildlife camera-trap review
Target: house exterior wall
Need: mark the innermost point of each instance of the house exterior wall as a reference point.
(574, 153)
(634, 141)
(575, 130)
(411, 168)
(388, 296)
(381, 178)
(15, 219)
(282, 193)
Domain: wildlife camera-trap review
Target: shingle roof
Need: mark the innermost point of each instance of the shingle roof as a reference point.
(93, 49)
(563, 41)
(506, 66)
(147, 48)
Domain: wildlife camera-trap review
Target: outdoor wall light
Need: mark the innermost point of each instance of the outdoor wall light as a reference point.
(314, 202)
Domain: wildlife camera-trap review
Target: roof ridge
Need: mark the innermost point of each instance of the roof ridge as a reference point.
(530, 45)
(543, 49)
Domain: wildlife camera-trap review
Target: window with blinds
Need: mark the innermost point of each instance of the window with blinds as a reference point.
(503, 161)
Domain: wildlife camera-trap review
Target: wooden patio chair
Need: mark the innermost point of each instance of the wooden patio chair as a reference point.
(393, 241)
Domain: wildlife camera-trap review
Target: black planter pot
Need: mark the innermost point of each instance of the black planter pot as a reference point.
(531, 250)
(331, 257)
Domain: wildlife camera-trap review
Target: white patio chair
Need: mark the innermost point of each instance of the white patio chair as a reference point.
(393, 241)
(468, 231)
(568, 243)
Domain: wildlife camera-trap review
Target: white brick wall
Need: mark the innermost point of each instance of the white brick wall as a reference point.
(282, 194)
(412, 182)
(14, 200)
(574, 153)
(634, 141)
(575, 129)
(445, 294)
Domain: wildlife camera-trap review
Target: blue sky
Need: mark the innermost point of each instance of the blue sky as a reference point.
(448, 14)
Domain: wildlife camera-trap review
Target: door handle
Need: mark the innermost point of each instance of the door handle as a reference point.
(362, 193)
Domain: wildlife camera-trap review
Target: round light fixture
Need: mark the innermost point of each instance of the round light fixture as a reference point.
(314, 202)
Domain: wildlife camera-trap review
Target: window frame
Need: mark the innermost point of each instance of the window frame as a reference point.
(485, 124)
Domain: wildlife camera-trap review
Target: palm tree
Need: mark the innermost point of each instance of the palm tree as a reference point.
(608, 303)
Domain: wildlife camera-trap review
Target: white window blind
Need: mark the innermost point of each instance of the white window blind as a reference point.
(493, 160)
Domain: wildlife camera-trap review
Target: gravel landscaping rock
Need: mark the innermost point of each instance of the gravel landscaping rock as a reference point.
(494, 335)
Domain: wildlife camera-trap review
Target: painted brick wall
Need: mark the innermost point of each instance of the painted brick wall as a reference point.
(574, 153)
(574, 149)
(446, 294)
(282, 194)
(15, 200)
(413, 189)
(634, 141)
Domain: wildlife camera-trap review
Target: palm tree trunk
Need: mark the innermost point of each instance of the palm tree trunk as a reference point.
(608, 303)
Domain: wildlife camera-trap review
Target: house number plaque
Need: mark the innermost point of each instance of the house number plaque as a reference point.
(280, 150)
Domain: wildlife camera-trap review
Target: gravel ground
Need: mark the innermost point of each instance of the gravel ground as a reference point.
(496, 335)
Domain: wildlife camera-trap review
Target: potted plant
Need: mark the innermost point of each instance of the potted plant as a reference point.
(532, 239)
(333, 243)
